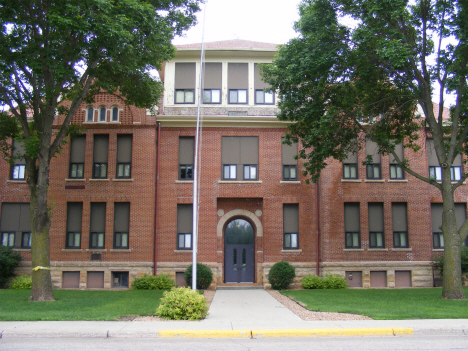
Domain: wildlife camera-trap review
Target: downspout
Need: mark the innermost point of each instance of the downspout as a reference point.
(156, 195)
(317, 216)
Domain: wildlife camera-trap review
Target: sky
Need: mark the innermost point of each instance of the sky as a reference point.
(269, 21)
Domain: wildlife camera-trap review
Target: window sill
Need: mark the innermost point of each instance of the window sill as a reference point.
(351, 180)
(239, 181)
(75, 179)
(378, 249)
(182, 251)
(96, 250)
(16, 181)
(397, 180)
(291, 251)
(120, 250)
(183, 181)
(290, 182)
(402, 249)
(351, 250)
(374, 180)
(99, 180)
(438, 250)
(136, 122)
(21, 250)
(123, 180)
(72, 250)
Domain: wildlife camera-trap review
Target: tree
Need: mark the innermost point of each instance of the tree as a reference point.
(56, 54)
(374, 61)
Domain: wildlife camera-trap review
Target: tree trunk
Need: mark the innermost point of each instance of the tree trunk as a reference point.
(40, 225)
(452, 278)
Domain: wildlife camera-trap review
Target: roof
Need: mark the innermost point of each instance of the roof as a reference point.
(236, 44)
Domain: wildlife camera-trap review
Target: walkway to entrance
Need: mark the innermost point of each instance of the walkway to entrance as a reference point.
(249, 309)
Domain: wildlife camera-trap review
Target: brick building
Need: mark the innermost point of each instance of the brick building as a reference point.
(114, 219)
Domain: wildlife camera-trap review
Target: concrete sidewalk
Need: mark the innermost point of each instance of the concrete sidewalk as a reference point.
(233, 313)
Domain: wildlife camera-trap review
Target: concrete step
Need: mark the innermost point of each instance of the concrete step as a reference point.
(240, 287)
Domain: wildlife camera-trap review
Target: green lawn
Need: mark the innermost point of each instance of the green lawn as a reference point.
(71, 305)
(383, 303)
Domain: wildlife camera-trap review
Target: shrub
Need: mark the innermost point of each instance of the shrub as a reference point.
(312, 282)
(439, 261)
(9, 260)
(22, 282)
(334, 281)
(281, 275)
(182, 303)
(151, 282)
(204, 276)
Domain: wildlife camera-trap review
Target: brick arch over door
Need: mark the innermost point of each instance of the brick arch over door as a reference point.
(239, 213)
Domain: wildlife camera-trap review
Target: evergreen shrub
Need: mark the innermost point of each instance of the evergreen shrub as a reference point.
(204, 276)
(281, 275)
(334, 281)
(9, 260)
(22, 282)
(182, 303)
(152, 282)
(312, 282)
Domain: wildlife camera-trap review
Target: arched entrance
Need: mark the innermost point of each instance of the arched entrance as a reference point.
(239, 252)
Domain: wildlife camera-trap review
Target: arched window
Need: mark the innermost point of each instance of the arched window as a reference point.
(115, 114)
(102, 114)
(90, 114)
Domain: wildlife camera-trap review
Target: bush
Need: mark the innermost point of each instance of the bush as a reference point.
(22, 282)
(9, 260)
(312, 282)
(204, 276)
(182, 303)
(334, 281)
(281, 275)
(151, 282)
(439, 261)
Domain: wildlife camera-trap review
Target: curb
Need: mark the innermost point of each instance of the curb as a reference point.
(275, 333)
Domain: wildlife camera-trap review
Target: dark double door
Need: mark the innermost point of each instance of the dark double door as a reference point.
(239, 252)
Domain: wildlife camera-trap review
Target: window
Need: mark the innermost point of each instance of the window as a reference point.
(455, 173)
(95, 280)
(77, 157)
(435, 171)
(436, 218)
(262, 95)
(70, 280)
(250, 172)
(184, 227)
(238, 96)
(15, 225)
(229, 172)
(186, 155)
(74, 216)
(97, 225)
(121, 224)
(400, 225)
(396, 172)
(8, 239)
(239, 157)
(101, 146)
(373, 169)
(376, 225)
(119, 280)
(124, 155)
(352, 225)
(212, 96)
(26, 240)
(185, 96)
(291, 226)
(350, 170)
(90, 114)
(184, 83)
(238, 82)
(288, 159)
(102, 114)
(18, 168)
(115, 114)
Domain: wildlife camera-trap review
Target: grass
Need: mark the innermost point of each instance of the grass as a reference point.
(383, 303)
(76, 305)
